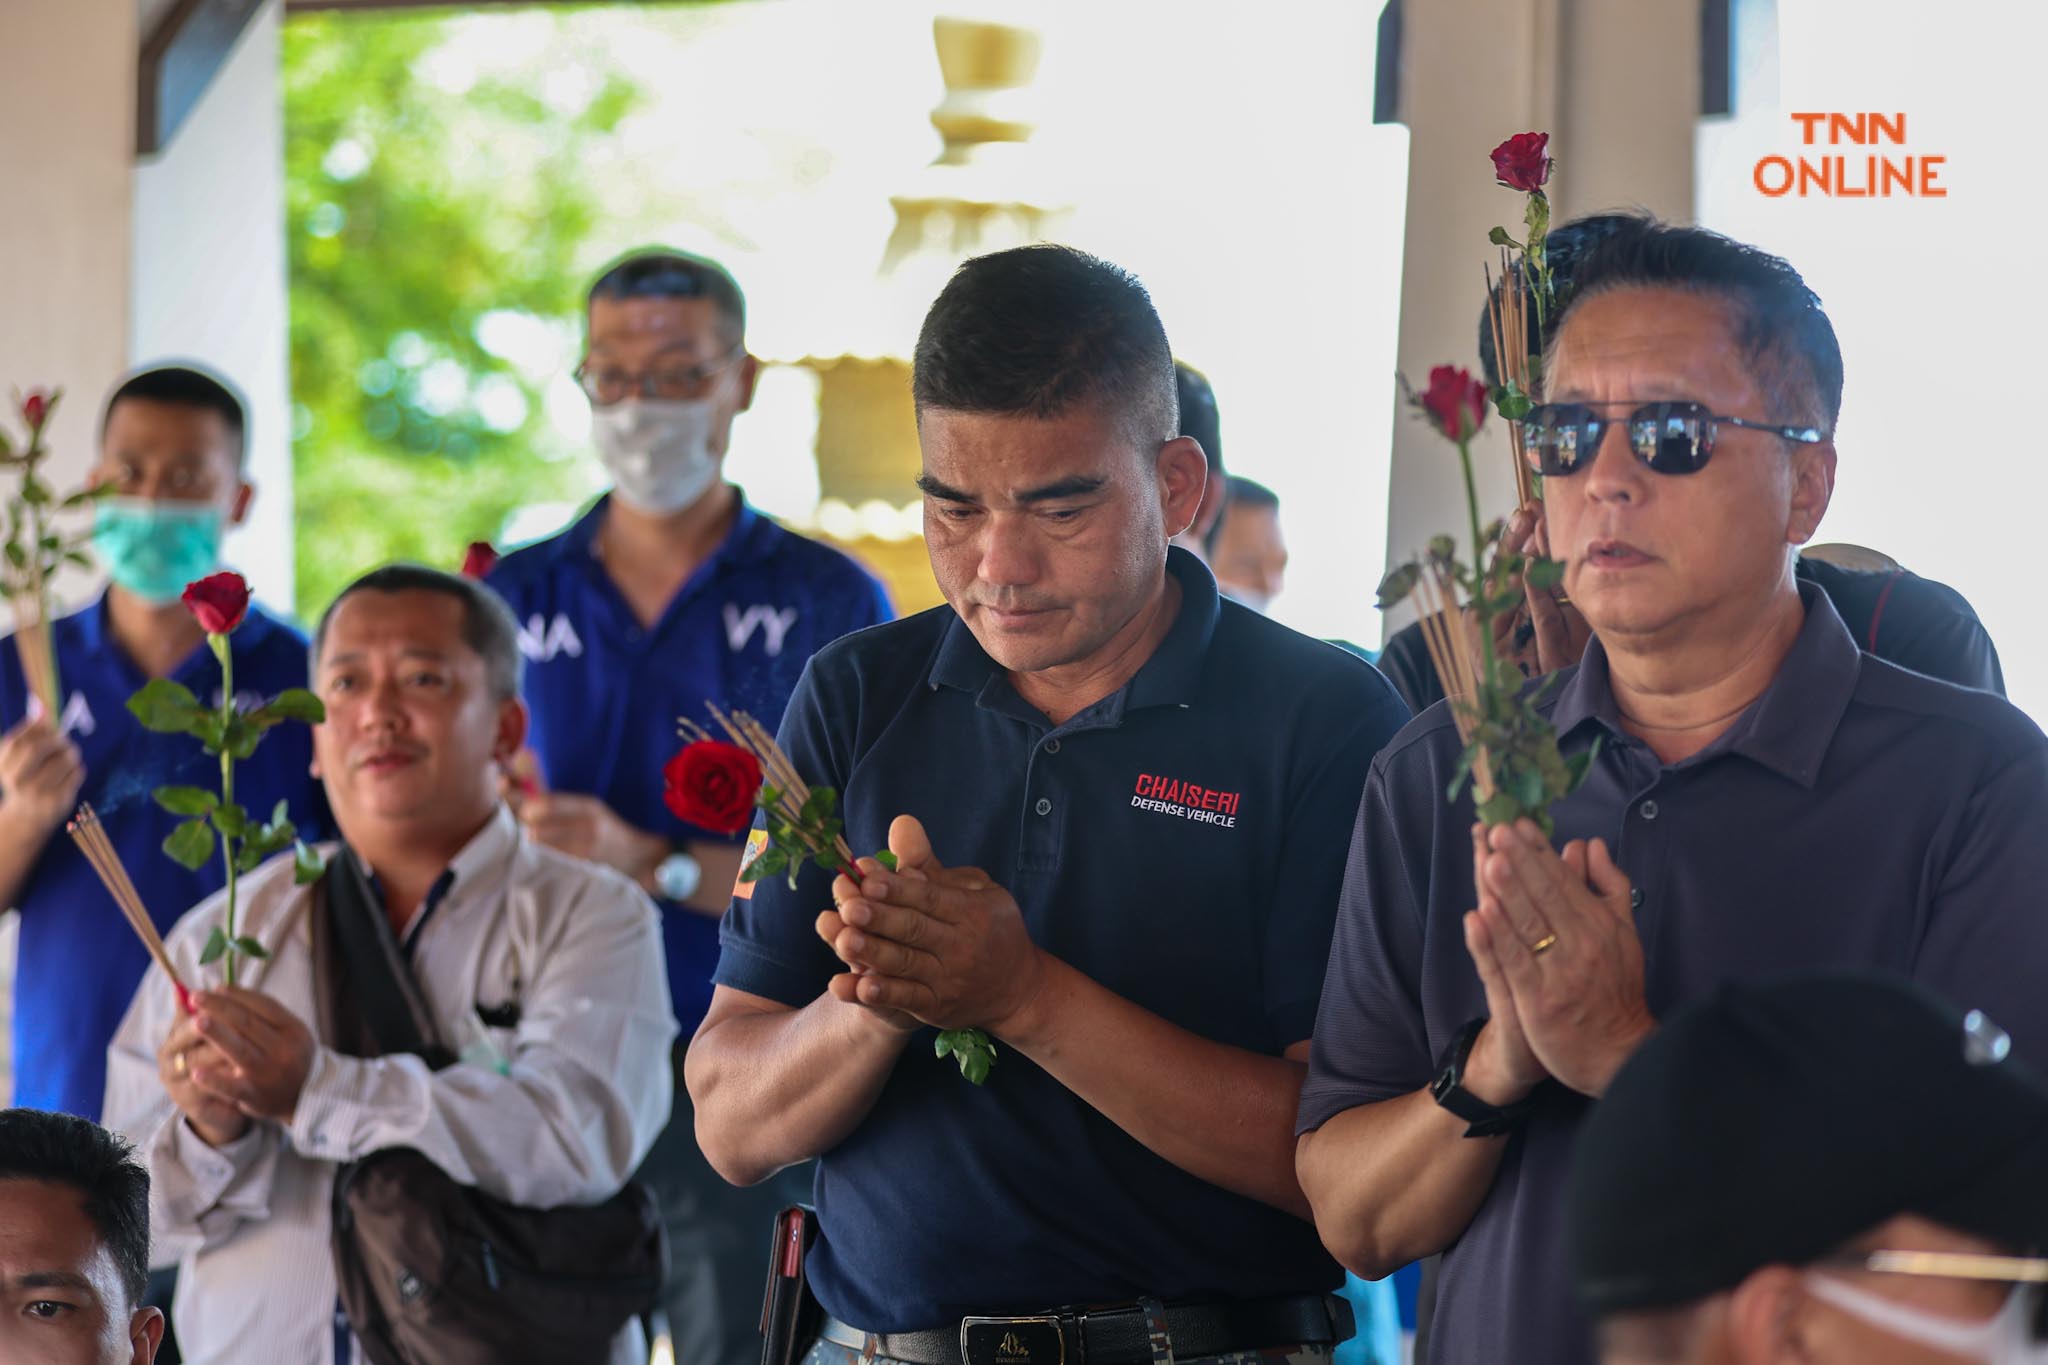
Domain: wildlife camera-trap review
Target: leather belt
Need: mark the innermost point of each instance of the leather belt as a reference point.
(1121, 1334)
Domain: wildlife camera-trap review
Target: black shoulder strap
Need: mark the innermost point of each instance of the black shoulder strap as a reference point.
(367, 980)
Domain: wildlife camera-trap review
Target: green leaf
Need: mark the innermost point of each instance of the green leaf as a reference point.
(886, 859)
(1499, 237)
(307, 865)
(943, 1044)
(249, 858)
(294, 703)
(17, 556)
(231, 820)
(280, 814)
(821, 803)
(216, 945)
(1442, 547)
(1545, 574)
(190, 844)
(249, 947)
(1528, 788)
(34, 491)
(186, 800)
(169, 708)
(768, 795)
(78, 559)
(241, 737)
(767, 863)
(1397, 585)
(1499, 809)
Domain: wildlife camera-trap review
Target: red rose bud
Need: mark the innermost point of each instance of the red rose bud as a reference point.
(712, 785)
(35, 410)
(1523, 162)
(479, 560)
(1456, 401)
(218, 601)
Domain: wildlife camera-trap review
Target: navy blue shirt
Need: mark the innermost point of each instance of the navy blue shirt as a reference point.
(1181, 842)
(606, 693)
(80, 962)
(1856, 815)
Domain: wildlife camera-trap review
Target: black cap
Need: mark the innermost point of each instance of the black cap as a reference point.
(1771, 1123)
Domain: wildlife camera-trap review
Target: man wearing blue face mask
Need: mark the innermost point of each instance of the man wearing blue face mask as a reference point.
(669, 592)
(171, 449)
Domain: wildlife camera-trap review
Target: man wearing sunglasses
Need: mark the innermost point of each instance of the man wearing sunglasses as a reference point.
(1840, 1170)
(1763, 797)
(670, 592)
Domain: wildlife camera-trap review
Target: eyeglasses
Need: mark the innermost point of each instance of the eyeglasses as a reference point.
(1953, 1265)
(1669, 438)
(609, 385)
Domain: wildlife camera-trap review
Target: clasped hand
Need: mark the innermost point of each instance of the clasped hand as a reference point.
(1555, 942)
(929, 944)
(239, 1056)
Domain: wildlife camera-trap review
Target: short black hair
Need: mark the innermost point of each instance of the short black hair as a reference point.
(1040, 330)
(1198, 415)
(488, 626)
(63, 1149)
(1245, 493)
(665, 273)
(1562, 247)
(186, 386)
(1780, 329)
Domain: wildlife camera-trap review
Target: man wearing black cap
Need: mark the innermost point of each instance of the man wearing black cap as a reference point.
(1824, 1169)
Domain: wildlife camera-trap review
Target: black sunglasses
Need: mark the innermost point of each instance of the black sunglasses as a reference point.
(1669, 438)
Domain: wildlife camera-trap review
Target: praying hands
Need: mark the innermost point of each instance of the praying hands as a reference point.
(931, 944)
(240, 1056)
(1555, 942)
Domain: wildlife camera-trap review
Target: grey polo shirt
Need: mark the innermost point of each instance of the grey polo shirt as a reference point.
(1856, 815)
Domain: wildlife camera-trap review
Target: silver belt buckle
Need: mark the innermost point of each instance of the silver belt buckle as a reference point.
(1012, 1341)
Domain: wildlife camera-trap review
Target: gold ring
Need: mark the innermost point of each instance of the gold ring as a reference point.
(1543, 945)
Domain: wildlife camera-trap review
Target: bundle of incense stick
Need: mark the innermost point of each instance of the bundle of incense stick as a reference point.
(32, 642)
(1507, 311)
(791, 789)
(91, 837)
(1451, 651)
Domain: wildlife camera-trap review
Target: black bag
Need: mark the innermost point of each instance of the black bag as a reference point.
(432, 1272)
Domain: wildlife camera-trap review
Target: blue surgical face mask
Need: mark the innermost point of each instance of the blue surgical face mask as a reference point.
(153, 547)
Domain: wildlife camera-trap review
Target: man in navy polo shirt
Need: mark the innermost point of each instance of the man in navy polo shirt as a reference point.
(1765, 798)
(671, 591)
(1158, 785)
(171, 446)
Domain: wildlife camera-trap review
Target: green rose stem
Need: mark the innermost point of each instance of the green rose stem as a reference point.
(229, 844)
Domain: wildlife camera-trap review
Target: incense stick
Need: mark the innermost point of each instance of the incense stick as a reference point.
(1507, 314)
(792, 792)
(1449, 641)
(91, 837)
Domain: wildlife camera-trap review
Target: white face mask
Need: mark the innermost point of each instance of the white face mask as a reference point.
(658, 450)
(2004, 1338)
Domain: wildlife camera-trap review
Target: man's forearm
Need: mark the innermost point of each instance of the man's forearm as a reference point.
(1395, 1181)
(774, 1086)
(1218, 1112)
(19, 850)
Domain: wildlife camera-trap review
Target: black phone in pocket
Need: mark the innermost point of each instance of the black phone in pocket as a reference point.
(789, 1315)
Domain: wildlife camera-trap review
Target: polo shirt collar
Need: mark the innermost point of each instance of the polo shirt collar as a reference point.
(1170, 677)
(1788, 729)
(751, 539)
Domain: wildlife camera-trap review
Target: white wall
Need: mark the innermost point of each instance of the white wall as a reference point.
(209, 276)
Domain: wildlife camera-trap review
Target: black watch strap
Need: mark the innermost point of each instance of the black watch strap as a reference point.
(1482, 1120)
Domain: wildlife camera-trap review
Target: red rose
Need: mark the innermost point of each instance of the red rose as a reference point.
(35, 410)
(1455, 398)
(218, 601)
(1523, 161)
(479, 560)
(712, 785)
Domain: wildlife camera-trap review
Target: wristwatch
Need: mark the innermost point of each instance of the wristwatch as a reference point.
(678, 876)
(1448, 1089)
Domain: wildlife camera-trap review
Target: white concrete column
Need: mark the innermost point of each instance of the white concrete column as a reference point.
(1616, 84)
(210, 276)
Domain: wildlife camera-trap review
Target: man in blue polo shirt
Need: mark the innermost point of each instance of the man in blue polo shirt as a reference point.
(671, 591)
(1764, 798)
(1159, 785)
(171, 446)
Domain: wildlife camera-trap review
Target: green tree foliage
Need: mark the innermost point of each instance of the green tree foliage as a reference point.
(417, 206)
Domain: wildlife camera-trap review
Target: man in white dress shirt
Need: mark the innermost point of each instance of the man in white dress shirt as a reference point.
(244, 1114)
